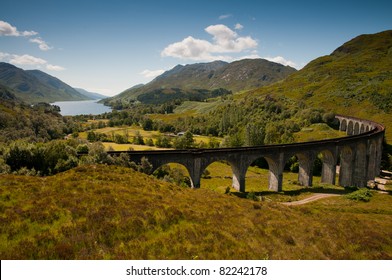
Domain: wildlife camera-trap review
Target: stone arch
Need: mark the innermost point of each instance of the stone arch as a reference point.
(343, 125)
(359, 175)
(356, 128)
(367, 128)
(346, 166)
(362, 128)
(350, 128)
(328, 171)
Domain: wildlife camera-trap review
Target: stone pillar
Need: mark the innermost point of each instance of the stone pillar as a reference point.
(239, 168)
(305, 173)
(328, 172)
(359, 174)
(195, 172)
(275, 177)
(346, 167)
(371, 160)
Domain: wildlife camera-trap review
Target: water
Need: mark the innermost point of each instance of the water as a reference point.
(73, 108)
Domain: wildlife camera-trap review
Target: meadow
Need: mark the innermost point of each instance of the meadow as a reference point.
(109, 212)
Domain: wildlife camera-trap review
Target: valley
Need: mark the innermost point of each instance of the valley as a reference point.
(67, 191)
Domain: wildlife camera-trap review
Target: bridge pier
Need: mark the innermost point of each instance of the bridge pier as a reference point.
(328, 171)
(275, 176)
(305, 173)
(346, 167)
(359, 174)
(195, 173)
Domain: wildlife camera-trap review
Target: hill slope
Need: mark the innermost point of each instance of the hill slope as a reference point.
(91, 95)
(18, 120)
(235, 76)
(33, 86)
(103, 212)
(356, 80)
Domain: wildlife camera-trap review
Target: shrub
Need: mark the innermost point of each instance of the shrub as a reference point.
(360, 195)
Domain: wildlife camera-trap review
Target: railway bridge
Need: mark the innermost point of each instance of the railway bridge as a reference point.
(358, 155)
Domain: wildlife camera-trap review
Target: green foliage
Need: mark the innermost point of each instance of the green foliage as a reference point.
(138, 139)
(162, 96)
(185, 141)
(362, 194)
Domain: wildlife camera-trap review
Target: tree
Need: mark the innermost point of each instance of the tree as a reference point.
(184, 142)
(138, 139)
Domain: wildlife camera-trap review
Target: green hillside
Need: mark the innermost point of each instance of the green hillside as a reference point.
(18, 120)
(102, 212)
(356, 80)
(34, 86)
(235, 76)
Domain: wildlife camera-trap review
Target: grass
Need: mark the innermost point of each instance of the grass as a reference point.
(102, 212)
(133, 131)
(318, 131)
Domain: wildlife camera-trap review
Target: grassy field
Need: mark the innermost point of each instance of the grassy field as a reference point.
(107, 212)
(132, 131)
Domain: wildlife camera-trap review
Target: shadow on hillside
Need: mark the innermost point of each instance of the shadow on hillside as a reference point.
(315, 190)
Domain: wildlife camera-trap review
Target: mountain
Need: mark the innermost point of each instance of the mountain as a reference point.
(355, 79)
(90, 95)
(235, 76)
(33, 86)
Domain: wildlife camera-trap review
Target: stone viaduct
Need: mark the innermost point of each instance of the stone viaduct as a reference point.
(358, 156)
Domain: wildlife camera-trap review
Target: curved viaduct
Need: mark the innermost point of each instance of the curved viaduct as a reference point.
(358, 154)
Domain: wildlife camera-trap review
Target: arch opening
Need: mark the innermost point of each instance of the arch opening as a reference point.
(343, 125)
(175, 173)
(356, 128)
(218, 176)
(350, 128)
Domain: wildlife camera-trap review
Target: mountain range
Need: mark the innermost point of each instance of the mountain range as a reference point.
(235, 76)
(33, 86)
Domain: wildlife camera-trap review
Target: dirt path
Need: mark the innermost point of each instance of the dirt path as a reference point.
(310, 199)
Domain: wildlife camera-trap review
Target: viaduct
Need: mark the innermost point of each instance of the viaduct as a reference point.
(358, 155)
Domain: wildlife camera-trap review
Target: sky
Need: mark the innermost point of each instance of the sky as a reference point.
(110, 46)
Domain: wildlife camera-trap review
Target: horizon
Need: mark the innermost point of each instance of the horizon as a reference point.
(139, 41)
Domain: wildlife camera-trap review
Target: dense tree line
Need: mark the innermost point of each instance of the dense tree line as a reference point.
(39, 123)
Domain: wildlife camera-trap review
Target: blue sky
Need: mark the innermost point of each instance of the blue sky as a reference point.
(109, 46)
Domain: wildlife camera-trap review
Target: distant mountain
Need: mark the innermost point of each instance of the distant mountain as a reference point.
(91, 95)
(33, 86)
(235, 76)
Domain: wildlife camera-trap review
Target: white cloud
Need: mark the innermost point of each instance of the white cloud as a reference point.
(281, 60)
(238, 26)
(7, 29)
(3, 56)
(224, 40)
(151, 73)
(41, 43)
(224, 16)
(27, 60)
(54, 67)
